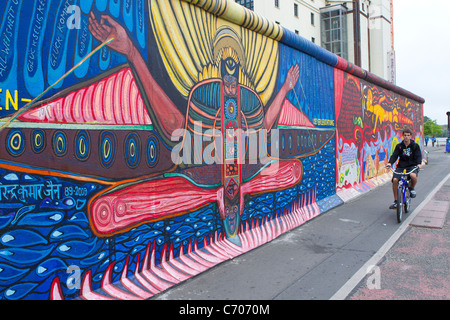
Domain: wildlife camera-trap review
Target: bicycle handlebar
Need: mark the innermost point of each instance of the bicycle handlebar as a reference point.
(406, 173)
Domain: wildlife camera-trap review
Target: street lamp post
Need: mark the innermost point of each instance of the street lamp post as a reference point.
(448, 124)
(447, 144)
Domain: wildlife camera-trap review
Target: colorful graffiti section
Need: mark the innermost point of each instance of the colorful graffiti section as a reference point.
(184, 141)
(370, 121)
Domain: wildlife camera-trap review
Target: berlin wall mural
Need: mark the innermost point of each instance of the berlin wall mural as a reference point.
(143, 142)
(370, 121)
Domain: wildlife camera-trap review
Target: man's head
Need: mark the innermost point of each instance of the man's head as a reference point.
(407, 134)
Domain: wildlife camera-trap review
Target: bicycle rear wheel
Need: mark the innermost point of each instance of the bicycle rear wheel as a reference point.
(400, 204)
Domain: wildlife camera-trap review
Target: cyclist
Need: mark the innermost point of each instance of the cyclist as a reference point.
(410, 156)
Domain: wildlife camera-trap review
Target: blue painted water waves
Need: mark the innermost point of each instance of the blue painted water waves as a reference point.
(45, 230)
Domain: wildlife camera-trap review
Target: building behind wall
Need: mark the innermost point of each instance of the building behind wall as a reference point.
(359, 31)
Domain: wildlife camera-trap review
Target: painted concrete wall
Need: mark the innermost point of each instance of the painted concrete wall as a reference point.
(188, 133)
(370, 120)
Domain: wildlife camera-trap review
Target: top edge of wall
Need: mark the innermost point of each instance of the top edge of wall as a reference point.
(237, 14)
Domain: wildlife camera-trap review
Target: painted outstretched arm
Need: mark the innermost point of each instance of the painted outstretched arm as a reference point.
(167, 113)
(275, 108)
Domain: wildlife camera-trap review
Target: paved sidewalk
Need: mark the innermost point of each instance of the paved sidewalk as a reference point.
(327, 258)
(417, 266)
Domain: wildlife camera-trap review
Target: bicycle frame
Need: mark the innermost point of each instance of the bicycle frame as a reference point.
(403, 196)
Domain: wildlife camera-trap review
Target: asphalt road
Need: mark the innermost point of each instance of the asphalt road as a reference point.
(316, 260)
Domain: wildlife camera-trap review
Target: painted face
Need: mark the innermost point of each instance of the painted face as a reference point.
(230, 85)
(232, 219)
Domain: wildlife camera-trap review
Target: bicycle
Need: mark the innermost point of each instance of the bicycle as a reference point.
(403, 195)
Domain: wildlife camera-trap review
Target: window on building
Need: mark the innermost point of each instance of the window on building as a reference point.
(277, 3)
(313, 40)
(297, 32)
(312, 18)
(295, 9)
(246, 3)
(334, 30)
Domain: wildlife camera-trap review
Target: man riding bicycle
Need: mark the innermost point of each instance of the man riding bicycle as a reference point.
(410, 156)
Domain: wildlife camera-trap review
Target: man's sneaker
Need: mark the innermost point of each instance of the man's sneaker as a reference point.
(394, 205)
(412, 193)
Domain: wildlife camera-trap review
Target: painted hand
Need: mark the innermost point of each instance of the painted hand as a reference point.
(292, 76)
(102, 32)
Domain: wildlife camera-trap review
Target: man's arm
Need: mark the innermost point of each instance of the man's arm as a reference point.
(394, 155)
(418, 156)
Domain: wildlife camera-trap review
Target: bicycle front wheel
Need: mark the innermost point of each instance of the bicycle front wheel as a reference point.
(400, 204)
(407, 203)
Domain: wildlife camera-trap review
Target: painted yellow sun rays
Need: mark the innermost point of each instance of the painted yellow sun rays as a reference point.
(187, 40)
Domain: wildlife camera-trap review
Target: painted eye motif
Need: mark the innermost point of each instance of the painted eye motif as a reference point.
(15, 142)
(231, 63)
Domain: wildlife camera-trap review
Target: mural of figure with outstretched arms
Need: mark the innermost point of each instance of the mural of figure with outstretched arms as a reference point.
(230, 105)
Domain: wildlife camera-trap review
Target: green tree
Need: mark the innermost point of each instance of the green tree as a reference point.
(431, 128)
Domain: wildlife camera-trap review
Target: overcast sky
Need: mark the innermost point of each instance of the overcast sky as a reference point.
(422, 46)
